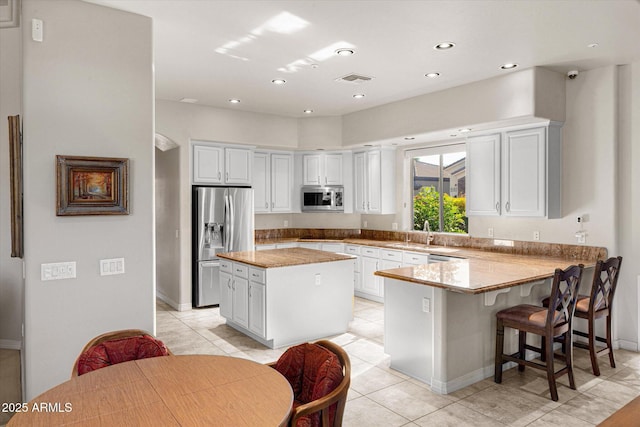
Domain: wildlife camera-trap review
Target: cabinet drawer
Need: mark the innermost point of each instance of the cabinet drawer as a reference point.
(415, 258)
(352, 249)
(226, 266)
(241, 270)
(256, 275)
(370, 252)
(391, 255)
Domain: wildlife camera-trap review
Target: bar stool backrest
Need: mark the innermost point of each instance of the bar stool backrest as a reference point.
(564, 294)
(605, 280)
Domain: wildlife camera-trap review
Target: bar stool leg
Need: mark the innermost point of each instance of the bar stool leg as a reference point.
(569, 358)
(592, 347)
(550, 371)
(543, 349)
(522, 340)
(497, 376)
(609, 346)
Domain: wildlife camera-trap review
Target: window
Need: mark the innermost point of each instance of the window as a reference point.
(438, 188)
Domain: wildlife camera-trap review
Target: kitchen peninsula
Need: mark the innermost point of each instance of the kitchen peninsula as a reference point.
(281, 297)
(440, 317)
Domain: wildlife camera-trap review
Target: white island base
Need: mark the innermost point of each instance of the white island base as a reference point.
(288, 305)
(447, 339)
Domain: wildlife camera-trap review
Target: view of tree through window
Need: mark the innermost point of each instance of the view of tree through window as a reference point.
(439, 190)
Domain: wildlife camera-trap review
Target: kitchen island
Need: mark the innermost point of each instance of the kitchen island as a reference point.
(281, 297)
(440, 317)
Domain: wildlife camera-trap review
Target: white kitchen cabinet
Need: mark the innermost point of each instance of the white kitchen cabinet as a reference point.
(257, 301)
(332, 247)
(357, 270)
(273, 182)
(234, 291)
(371, 284)
(238, 162)
(374, 181)
(208, 164)
(215, 164)
(310, 245)
(515, 173)
(322, 169)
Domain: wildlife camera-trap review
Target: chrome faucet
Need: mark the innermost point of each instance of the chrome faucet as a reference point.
(427, 228)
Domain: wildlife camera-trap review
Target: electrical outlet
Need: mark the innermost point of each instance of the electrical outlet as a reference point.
(318, 279)
(426, 305)
(286, 223)
(490, 232)
(364, 224)
(536, 235)
(581, 236)
(394, 226)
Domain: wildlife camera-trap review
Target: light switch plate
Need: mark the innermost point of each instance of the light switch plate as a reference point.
(111, 266)
(58, 271)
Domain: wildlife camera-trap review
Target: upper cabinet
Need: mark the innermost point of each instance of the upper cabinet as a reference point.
(273, 182)
(215, 164)
(515, 173)
(322, 169)
(374, 181)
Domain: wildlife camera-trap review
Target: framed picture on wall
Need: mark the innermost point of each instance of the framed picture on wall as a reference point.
(92, 186)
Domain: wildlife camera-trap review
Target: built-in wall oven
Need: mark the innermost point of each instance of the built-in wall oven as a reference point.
(322, 199)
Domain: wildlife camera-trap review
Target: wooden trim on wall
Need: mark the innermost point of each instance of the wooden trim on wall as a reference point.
(15, 170)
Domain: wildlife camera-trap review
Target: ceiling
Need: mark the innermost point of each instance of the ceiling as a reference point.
(214, 51)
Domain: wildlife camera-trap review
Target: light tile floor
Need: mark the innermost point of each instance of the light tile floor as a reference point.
(380, 396)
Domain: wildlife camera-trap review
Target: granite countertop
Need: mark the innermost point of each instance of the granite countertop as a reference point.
(476, 275)
(273, 258)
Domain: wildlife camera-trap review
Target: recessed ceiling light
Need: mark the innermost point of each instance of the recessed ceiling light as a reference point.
(358, 95)
(345, 52)
(444, 46)
(593, 45)
(189, 100)
(432, 75)
(508, 66)
(368, 145)
(278, 81)
(234, 101)
(464, 130)
(453, 135)
(308, 111)
(409, 138)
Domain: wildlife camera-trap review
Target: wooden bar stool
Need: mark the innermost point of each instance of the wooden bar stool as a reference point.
(550, 322)
(596, 306)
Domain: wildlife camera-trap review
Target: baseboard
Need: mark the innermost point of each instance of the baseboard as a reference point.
(11, 344)
(626, 345)
(172, 303)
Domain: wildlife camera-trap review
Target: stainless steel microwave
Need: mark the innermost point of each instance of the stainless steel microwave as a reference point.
(322, 199)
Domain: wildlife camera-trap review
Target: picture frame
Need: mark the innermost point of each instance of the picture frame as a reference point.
(92, 185)
(9, 13)
(15, 172)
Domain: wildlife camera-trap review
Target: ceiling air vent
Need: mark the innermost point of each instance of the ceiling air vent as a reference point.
(354, 78)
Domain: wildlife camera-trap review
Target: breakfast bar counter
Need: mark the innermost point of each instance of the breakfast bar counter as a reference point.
(273, 258)
(440, 317)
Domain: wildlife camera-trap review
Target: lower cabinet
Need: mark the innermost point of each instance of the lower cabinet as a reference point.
(257, 300)
(372, 285)
(234, 292)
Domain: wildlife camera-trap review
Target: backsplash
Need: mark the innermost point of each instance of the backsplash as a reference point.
(555, 250)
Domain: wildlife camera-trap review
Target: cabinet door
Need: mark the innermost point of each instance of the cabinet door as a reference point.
(281, 182)
(261, 182)
(238, 163)
(226, 295)
(359, 171)
(257, 308)
(207, 164)
(483, 175)
(312, 169)
(374, 181)
(370, 282)
(524, 183)
(333, 169)
(240, 301)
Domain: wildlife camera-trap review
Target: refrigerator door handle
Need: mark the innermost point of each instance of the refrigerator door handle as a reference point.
(227, 228)
(231, 225)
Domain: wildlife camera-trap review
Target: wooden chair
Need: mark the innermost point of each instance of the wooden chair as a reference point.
(326, 410)
(550, 322)
(596, 306)
(119, 335)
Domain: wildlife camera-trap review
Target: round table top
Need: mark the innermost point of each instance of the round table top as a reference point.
(188, 390)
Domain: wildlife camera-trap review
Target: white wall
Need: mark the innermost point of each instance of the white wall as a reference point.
(627, 223)
(320, 132)
(88, 90)
(167, 210)
(10, 268)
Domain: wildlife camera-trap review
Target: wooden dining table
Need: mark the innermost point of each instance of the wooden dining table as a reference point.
(190, 390)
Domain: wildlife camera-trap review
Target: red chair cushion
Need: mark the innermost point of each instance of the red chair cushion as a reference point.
(118, 351)
(313, 372)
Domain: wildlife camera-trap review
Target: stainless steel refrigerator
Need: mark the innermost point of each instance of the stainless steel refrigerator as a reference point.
(222, 222)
